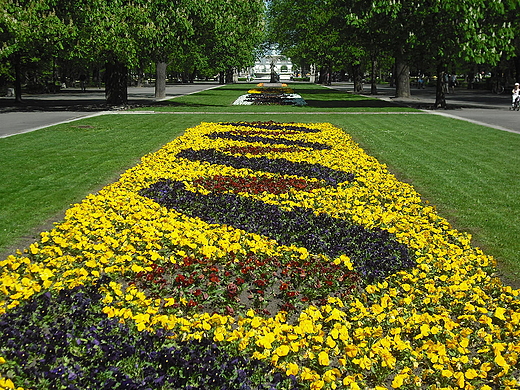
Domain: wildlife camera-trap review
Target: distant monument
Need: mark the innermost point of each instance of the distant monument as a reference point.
(274, 76)
(263, 68)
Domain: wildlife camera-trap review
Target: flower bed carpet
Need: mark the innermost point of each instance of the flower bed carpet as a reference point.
(271, 95)
(256, 256)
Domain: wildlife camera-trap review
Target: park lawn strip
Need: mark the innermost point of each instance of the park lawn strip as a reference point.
(467, 171)
(317, 97)
(44, 171)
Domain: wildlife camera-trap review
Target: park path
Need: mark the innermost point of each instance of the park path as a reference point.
(43, 110)
(476, 106)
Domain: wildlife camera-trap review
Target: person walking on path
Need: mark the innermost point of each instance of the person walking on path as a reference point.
(515, 95)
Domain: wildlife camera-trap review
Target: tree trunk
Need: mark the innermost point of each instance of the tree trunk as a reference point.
(140, 76)
(328, 80)
(440, 97)
(18, 78)
(116, 76)
(402, 77)
(517, 69)
(229, 75)
(160, 80)
(356, 75)
(373, 76)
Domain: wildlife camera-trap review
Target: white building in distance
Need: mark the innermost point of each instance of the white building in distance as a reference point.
(281, 64)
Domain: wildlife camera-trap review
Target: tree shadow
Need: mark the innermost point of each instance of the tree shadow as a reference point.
(174, 104)
(340, 103)
(50, 104)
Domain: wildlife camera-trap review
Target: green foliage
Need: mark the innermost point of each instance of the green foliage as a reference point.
(429, 32)
(226, 34)
(213, 36)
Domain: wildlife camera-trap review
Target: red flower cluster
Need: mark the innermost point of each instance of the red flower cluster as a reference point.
(264, 132)
(264, 283)
(255, 184)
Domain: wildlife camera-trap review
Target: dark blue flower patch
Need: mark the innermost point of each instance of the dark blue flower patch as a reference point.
(374, 253)
(270, 125)
(266, 140)
(64, 341)
(277, 165)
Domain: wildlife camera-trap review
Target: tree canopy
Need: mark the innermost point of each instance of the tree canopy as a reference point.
(437, 34)
(115, 35)
(216, 36)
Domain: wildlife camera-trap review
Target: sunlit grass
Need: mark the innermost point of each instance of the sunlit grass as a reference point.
(318, 98)
(469, 172)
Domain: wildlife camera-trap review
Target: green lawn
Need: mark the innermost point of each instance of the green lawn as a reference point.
(318, 98)
(470, 172)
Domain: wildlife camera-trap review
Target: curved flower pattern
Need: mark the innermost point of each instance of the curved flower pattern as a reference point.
(270, 140)
(361, 285)
(374, 253)
(271, 96)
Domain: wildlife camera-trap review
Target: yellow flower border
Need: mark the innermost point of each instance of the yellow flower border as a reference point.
(449, 319)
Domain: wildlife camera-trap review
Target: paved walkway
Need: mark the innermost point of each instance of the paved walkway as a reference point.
(42, 110)
(39, 111)
(476, 106)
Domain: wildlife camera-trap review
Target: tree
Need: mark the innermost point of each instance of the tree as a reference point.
(310, 32)
(440, 31)
(31, 33)
(109, 32)
(165, 36)
(226, 35)
(465, 30)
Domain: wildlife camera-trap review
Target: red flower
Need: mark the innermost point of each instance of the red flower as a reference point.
(260, 282)
(232, 289)
(230, 311)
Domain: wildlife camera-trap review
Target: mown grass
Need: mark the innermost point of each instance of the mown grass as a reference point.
(469, 172)
(318, 98)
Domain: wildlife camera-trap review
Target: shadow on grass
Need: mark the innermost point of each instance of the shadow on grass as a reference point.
(361, 103)
(49, 105)
(327, 98)
(173, 104)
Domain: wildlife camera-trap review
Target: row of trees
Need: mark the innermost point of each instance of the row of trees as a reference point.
(437, 36)
(207, 37)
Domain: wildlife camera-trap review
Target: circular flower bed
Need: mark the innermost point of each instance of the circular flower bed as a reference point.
(267, 256)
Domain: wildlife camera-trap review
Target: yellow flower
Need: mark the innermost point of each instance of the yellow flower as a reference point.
(282, 350)
(459, 377)
(471, 374)
(399, 379)
(499, 359)
(266, 341)
(317, 385)
(365, 363)
(499, 313)
(323, 358)
(447, 373)
(292, 369)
